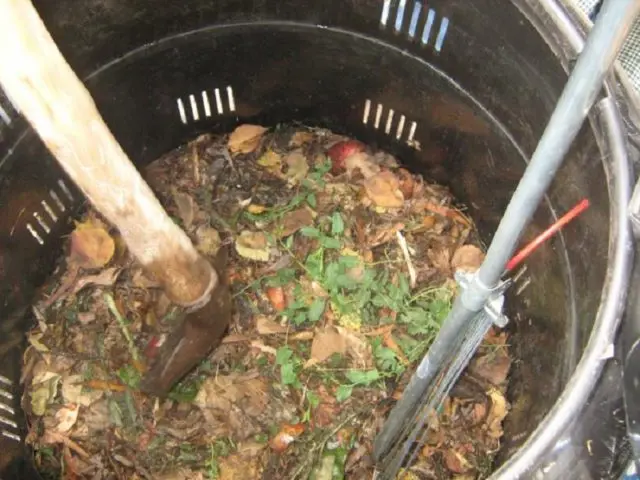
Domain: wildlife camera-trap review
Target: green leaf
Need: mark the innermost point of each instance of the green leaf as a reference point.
(386, 360)
(346, 281)
(289, 242)
(379, 301)
(315, 263)
(337, 224)
(343, 392)
(331, 273)
(283, 355)
(316, 309)
(324, 166)
(131, 407)
(299, 318)
(311, 232)
(384, 353)
(403, 285)
(439, 308)
(329, 242)
(287, 374)
(349, 261)
(297, 200)
(115, 413)
(311, 200)
(358, 377)
(313, 399)
(284, 276)
(185, 391)
(129, 376)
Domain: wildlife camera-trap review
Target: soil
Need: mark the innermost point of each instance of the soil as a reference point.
(340, 265)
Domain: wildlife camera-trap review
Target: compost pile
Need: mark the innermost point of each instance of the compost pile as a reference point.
(340, 265)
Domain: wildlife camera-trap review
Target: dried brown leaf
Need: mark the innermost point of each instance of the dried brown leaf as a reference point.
(327, 410)
(181, 474)
(105, 278)
(207, 240)
(383, 190)
(492, 367)
(263, 348)
(384, 234)
(467, 258)
(73, 391)
(267, 326)
(245, 138)
(440, 258)
(407, 183)
(186, 207)
(333, 339)
(326, 343)
(362, 162)
(91, 246)
(238, 465)
(248, 391)
(67, 417)
(294, 221)
(456, 462)
(497, 412)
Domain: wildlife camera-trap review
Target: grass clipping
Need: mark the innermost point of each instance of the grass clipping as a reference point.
(341, 268)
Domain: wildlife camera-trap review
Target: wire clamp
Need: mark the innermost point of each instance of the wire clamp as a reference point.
(495, 303)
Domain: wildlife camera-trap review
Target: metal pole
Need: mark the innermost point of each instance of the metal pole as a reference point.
(582, 88)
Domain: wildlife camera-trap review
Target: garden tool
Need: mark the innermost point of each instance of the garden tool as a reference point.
(44, 88)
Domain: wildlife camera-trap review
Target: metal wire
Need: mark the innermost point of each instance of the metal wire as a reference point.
(460, 356)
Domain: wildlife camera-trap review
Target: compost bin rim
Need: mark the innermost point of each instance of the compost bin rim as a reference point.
(601, 340)
(567, 409)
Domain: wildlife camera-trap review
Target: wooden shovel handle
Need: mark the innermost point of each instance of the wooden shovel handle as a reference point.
(44, 88)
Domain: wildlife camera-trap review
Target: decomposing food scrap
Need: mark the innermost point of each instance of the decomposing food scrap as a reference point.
(341, 267)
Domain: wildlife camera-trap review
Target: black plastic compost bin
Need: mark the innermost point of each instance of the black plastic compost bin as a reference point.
(459, 90)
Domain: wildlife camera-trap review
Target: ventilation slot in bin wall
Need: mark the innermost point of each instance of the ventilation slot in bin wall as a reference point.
(415, 20)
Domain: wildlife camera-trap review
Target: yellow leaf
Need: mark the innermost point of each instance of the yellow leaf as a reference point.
(91, 247)
(43, 390)
(253, 245)
(34, 339)
(271, 161)
(207, 240)
(301, 138)
(256, 209)
(297, 167)
(245, 138)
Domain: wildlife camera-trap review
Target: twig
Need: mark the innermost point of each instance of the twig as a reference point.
(104, 385)
(55, 437)
(123, 326)
(196, 164)
(407, 258)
